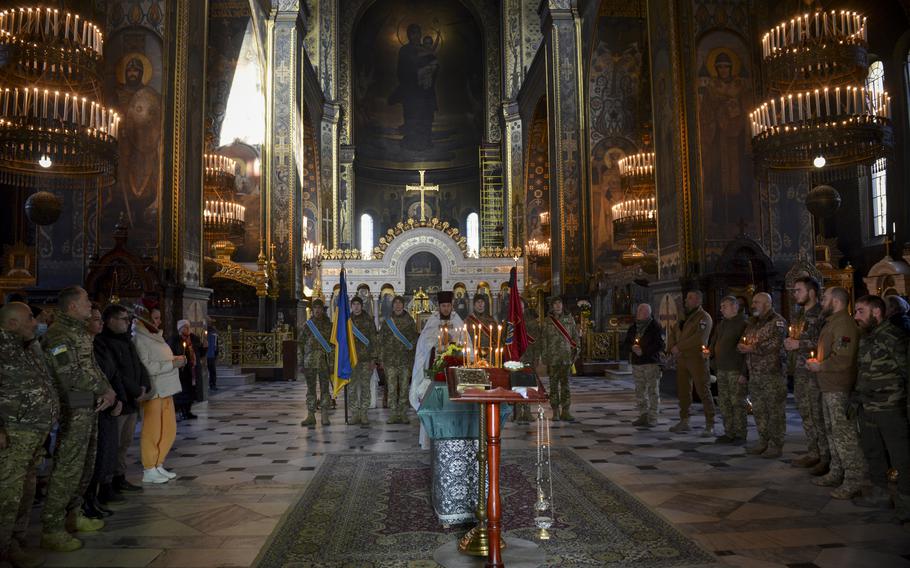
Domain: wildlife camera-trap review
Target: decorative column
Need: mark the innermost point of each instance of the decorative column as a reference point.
(513, 170)
(280, 168)
(328, 161)
(568, 199)
(180, 221)
(345, 208)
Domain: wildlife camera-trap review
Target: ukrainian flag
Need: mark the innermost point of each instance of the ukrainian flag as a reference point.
(343, 340)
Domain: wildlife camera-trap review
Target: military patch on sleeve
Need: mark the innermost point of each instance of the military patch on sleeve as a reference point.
(780, 323)
(57, 350)
(702, 325)
(60, 356)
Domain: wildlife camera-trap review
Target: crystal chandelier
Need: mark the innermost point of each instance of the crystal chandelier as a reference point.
(635, 217)
(54, 131)
(539, 249)
(819, 111)
(223, 218)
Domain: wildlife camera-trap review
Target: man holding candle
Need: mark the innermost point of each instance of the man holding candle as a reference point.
(803, 340)
(645, 342)
(317, 362)
(691, 367)
(835, 367)
(397, 338)
(763, 345)
(559, 349)
(731, 370)
(359, 387)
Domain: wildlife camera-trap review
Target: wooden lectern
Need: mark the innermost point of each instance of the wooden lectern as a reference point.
(490, 401)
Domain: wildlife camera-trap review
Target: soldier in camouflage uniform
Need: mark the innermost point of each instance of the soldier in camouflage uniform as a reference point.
(645, 342)
(731, 371)
(359, 387)
(317, 356)
(559, 349)
(881, 390)
(763, 346)
(83, 390)
(397, 357)
(803, 341)
(529, 357)
(29, 407)
(835, 366)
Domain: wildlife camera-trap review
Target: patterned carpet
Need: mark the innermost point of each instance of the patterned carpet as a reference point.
(374, 511)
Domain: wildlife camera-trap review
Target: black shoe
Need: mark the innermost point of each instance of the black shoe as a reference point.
(723, 440)
(106, 494)
(190, 415)
(102, 508)
(121, 484)
(213, 387)
(91, 511)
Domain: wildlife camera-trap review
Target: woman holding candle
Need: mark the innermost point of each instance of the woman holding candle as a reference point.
(189, 345)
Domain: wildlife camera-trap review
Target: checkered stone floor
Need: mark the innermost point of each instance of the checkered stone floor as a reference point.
(245, 459)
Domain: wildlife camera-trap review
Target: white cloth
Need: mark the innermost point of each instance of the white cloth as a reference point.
(429, 339)
(156, 355)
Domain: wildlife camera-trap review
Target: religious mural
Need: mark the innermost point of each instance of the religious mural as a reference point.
(423, 270)
(537, 193)
(619, 108)
(418, 84)
(724, 101)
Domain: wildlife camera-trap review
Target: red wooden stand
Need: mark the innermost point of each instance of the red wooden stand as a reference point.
(490, 401)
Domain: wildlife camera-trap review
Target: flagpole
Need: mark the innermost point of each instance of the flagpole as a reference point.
(345, 404)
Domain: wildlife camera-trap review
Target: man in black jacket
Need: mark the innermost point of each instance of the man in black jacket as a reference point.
(116, 355)
(645, 342)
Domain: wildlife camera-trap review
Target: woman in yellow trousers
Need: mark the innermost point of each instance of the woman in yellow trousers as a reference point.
(159, 423)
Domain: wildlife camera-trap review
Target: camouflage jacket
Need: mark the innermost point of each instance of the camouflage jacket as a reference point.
(807, 328)
(393, 352)
(881, 381)
(71, 359)
(364, 324)
(314, 356)
(766, 334)
(28, 399)
(554, 348)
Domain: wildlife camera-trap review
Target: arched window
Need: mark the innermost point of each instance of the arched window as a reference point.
(366, 235)
(473, 225)
(875, 83)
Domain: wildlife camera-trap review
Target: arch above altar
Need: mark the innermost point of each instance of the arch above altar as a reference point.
(388, 266)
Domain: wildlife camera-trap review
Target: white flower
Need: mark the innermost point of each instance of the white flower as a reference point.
(514, 365)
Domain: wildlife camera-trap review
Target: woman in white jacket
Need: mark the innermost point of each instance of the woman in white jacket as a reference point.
(159, 423)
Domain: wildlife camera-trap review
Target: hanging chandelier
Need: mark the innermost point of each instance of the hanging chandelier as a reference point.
(539, 249)
(54, 132)
(820, 111)
(223, 217)
(635, 217)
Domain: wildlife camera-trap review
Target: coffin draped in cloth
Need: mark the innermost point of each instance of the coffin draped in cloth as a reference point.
(452, 429)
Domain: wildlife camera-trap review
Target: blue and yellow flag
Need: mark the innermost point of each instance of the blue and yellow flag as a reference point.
(343, 340)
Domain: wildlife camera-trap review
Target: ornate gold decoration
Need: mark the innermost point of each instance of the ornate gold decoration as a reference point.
(412, 224)
(230, 270)
(500, 252)
(341, 254)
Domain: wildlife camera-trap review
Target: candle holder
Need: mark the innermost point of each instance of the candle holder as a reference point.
(544, 512)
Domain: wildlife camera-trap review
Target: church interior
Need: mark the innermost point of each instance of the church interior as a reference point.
(241, 166)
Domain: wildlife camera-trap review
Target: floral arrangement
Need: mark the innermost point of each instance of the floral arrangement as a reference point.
(451, 357)
(514, 365)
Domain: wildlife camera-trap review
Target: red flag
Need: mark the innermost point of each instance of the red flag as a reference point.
(516, 333)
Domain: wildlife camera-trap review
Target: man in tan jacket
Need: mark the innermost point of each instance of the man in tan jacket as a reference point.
(835, 368)
(691, 367)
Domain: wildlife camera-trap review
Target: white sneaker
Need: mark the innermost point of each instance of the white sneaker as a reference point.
(166, 473)
(152, 475)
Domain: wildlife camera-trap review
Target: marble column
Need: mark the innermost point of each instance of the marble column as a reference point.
(568, 198)
(180, 221)
(284, 131)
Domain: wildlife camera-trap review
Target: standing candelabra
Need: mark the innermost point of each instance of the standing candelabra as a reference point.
(544, 512)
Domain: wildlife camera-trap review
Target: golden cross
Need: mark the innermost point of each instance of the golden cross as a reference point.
(422, 188)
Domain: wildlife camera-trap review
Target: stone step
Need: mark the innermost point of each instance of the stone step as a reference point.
(233, 377)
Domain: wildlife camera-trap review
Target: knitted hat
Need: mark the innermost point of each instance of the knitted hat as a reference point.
(182, 323)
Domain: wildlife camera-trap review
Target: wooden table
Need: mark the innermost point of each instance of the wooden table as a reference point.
(490, 400)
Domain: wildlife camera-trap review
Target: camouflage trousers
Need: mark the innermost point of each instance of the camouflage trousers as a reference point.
(731, 399)
(75, 453)
(359, 387)
(846, 456)
(769, 400)
(560, 397)
(18, 465)
(809, 402)
(883, 435)
(397, 383)
(316, 378)
(647, 390)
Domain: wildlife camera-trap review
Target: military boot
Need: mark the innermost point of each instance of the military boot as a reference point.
(310, 419)
(821, 468)
(60, 542)
(364, 419)
(808, 460)
(876, 498)
(324, 414)
(831, 479)
(681, 426)
(354, 419)
(555, 410)
(846, 491)
(21, 558)
(641, 420)
(81, 523)
(772, 451)
(566, 415)
(758, 448)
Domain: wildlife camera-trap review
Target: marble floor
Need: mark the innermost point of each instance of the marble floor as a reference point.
(246, 458)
